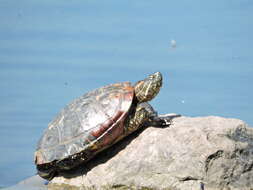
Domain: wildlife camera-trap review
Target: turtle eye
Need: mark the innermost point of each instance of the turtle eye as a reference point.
(151, 77)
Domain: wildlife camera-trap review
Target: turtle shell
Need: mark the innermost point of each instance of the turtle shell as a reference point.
(88, 124)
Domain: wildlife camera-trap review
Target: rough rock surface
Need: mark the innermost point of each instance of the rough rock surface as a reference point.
(201, 153)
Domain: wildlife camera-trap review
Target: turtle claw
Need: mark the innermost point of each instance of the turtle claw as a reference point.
(166, 119)
(166, 123)
(162, 120)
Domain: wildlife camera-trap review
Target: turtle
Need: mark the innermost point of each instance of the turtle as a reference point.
(96, 121)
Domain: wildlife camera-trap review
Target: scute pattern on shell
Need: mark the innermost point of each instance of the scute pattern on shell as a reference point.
(84, 121)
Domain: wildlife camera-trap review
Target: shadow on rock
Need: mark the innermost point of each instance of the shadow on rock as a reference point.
(101, 157)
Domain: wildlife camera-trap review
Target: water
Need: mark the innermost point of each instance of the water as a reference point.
(54, 51)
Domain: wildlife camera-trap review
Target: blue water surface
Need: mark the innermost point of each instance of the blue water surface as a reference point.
(54, 51)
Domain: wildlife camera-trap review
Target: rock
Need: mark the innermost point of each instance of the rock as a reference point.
(201, 153)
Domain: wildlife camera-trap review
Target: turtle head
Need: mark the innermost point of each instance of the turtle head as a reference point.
(145, 90)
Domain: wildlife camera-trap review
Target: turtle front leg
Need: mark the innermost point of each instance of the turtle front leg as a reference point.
(137, 118)
(144, 115)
